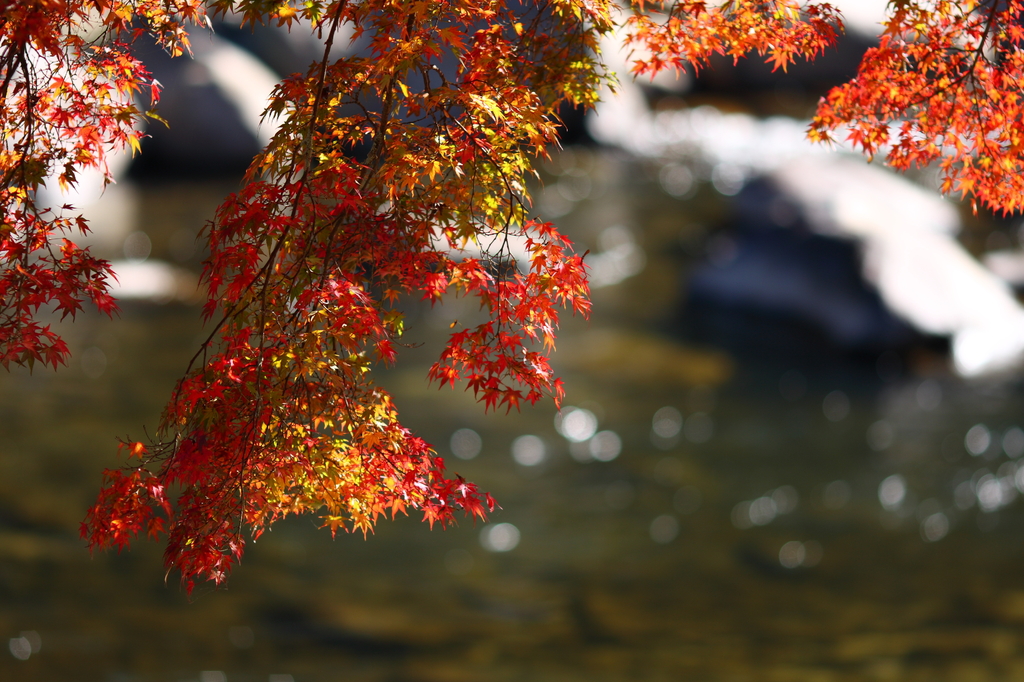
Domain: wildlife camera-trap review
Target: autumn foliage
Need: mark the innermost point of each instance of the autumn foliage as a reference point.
(944, 87)
(450, 105)
(279, 413)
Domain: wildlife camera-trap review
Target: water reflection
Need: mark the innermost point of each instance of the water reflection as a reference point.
(880, 435)
(677, 180)
(699, 427)
(619, 495)
(738, 531)
(212, 676)
(836, 406)
(458, 561)
(792, 385)
(94, 362)
(687, 500)
(241, 636)
(620, 257)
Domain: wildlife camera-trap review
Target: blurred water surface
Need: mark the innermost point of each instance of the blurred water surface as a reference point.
(755, 509)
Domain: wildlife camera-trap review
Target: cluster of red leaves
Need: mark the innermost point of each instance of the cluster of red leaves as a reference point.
(687, 34)
(945, 85)
(66, 100)
(495, 356)
(279, 414)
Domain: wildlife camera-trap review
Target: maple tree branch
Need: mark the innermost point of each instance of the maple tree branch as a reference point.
(969, 72)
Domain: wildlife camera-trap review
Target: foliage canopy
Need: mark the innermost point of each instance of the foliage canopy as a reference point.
(278, 412)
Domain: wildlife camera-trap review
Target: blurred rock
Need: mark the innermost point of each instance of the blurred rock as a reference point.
(153, 281)
(908, 254)
(865, 257)
(212, 102)
(802, 277)
(1007, 265)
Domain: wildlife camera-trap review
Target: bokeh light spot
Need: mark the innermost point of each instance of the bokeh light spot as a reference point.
(934, 527)
(762, 511)
(137, 247)
(892, 491)
(528, 450)
(978, 439)
(605, 446)
(501, 537)
(741, 516)
(677, 180)
(963, 496)
(667, 422)
(836, 406)
(785, 498)
(792, 554)
(576, 424)
(664, 529)
(1013, 442)
(466, 443)
(20, 648)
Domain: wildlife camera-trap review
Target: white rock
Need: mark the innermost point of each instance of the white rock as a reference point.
(152, 280)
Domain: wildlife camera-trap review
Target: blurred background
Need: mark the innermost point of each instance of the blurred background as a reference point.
(789, 449)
